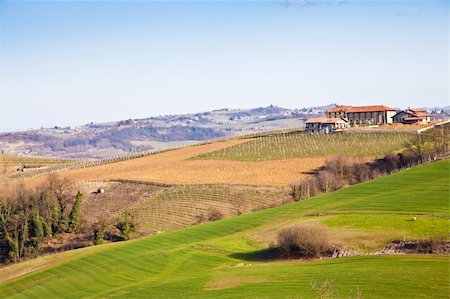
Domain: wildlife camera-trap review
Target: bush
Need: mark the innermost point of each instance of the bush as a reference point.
(214, 214)
(99, 233)
(126, 225)
(304, 241)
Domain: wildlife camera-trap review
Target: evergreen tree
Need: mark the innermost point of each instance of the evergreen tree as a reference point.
(23, 238)
(37, 230)
(74, 217)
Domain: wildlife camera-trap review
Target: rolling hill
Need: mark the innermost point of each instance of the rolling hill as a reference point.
(226, 258)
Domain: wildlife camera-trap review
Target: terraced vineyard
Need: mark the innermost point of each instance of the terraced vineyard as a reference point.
(118, 197)
(181, 206)
(298, 144)
(224, 259)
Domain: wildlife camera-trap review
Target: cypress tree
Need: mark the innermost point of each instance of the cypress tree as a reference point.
(37, 230)
(74, 217)
(23, 238)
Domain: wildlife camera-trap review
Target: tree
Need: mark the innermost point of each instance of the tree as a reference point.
(417, 146)
(36, 230)
(23, 238)
(74, 217)
(59, 188)
(439, 136)
(327, 181)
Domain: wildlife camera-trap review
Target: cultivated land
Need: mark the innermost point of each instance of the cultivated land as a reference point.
(181, 206)
(225, 258)
(12, 165)
(298, 144)
(176, 167)
(276, 159)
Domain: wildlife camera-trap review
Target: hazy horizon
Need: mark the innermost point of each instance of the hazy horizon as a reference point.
(71, 63)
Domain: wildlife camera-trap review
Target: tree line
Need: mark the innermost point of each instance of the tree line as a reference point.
(29, 216)
(341, 171)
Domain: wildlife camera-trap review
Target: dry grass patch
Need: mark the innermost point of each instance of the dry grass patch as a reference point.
(231, 282)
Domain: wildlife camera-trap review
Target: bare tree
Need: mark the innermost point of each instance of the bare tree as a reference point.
(327, 180)
(439, 136)
(416, 146)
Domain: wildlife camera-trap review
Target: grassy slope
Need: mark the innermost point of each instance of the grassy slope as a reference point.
(220, 259)
(297, 144)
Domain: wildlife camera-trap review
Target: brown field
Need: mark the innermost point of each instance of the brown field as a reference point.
(175, 167)
(397, 127)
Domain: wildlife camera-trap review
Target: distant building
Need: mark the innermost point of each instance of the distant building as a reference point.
(325, 125)
(363, 115)
(412, 116)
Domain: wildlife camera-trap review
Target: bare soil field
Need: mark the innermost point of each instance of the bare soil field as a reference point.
(396, 127)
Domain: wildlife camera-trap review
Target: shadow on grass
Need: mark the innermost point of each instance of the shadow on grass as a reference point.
(267, 254)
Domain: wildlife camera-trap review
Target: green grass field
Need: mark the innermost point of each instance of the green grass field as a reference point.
(298, 144)
(222, 259)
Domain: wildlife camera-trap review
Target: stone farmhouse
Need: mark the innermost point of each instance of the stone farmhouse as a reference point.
(363, 115)
(317, 125)
(412, 116)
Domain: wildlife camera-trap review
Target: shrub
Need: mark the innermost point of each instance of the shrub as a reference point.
(99, 233)
(214, 214)
(126, 225)
(361, 173)
(305, 240)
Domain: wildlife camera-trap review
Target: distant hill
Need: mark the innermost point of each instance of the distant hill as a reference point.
(100, 140)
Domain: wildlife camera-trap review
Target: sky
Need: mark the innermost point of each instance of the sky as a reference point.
(70, 63)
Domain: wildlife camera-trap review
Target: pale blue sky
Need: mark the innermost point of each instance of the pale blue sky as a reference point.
(70, 63)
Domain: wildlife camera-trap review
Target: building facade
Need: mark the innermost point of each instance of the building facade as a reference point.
(363, 115)
(325, 125)
(412, 116)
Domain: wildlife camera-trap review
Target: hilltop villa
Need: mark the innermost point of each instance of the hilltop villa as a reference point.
(342, 117)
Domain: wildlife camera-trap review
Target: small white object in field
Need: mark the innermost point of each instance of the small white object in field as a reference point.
(414, 219)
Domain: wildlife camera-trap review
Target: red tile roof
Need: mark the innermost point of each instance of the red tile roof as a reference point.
(324, 120)
(339, 109)
(418, 112)
(361, 108)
